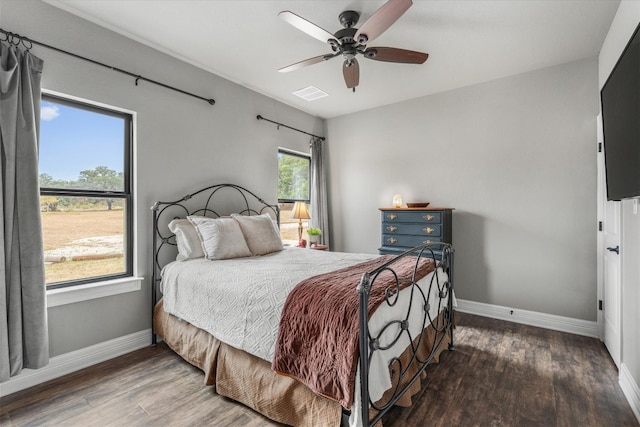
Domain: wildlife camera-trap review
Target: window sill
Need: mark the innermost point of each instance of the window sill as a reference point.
(73, 294)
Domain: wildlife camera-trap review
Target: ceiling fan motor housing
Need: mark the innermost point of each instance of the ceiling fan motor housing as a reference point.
(345, 35)
(349, 18)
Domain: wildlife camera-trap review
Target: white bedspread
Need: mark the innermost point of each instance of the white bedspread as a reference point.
(239, 301)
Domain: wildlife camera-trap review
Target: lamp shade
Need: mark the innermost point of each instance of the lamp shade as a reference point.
(300, 211)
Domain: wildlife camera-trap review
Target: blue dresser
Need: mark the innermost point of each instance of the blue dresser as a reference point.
(404, 228)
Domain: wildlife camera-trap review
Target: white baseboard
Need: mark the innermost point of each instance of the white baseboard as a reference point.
(630, 389)
(532, 318)
(76, 360)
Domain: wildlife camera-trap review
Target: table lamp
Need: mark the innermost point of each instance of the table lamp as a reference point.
(300, 212)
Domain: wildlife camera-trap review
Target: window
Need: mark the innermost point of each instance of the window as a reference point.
(293, 176)
(293, 185)
(85, 192)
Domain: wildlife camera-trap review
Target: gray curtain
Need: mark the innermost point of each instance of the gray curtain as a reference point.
(24, 339)
(319, 208)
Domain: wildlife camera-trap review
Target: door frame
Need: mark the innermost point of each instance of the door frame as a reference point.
(600, 201)
(600, 250)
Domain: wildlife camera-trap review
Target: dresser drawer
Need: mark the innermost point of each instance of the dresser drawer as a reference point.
(408, 241)
(417, 217)
(415, 229)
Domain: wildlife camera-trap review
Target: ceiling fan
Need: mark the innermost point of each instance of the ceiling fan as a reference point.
(350, 41)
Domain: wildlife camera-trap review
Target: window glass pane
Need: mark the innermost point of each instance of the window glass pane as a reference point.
(81, 148)
(83, 237)
(293, 177)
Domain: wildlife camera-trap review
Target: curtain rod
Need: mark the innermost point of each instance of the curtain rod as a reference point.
(259, 117)
(16, 39)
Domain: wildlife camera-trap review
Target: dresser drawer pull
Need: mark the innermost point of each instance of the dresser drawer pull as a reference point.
(426, 242)
(428, 230)
(392, 228)
(428, 217)
(392, 216)
(392, 241)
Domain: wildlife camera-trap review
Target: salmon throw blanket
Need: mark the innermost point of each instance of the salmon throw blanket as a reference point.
(318, 336)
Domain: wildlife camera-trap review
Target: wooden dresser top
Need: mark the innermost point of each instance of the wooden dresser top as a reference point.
(428, 208)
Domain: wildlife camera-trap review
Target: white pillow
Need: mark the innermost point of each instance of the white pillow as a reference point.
(260, 232)
(221, 238)
(187, 239)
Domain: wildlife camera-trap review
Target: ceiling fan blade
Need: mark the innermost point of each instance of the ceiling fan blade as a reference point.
(305, 26)
(306, 63)
(351, 72)
(392, 54)
(381, 20)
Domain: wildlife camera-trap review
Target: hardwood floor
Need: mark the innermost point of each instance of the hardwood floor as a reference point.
(500, 374)
(508, 374)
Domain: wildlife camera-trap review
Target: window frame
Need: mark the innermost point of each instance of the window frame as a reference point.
(126, 195)
(303, 156)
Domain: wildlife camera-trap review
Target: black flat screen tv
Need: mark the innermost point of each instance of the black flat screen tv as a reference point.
(620, 98)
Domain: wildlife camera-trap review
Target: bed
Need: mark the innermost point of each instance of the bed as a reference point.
(304, 337)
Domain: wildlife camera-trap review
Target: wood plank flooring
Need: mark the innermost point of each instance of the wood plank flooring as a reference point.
(500, 374)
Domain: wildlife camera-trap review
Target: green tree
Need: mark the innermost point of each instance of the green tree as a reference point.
(45, 180)
(293, 177)
(102, 178)
(48, 204)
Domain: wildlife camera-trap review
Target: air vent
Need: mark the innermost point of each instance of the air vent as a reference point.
(310, 93)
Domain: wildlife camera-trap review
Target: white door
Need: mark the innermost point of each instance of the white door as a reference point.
(611, 267)
(611, 293)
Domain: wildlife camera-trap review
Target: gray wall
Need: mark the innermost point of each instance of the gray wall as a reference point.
(182, 143)
(515, 157)
(622, 27)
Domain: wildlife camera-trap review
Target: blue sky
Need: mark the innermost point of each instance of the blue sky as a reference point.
(72, 140)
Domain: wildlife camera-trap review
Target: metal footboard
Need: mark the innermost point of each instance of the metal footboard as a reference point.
(405, 375)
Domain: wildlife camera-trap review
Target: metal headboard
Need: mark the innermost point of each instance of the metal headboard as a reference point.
(229, 198)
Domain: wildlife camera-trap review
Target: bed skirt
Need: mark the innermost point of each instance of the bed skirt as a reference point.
(248, 379)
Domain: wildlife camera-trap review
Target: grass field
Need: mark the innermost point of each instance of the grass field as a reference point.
(62, 229)
(74, 270)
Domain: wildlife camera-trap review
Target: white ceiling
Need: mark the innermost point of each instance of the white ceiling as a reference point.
(468, 41)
